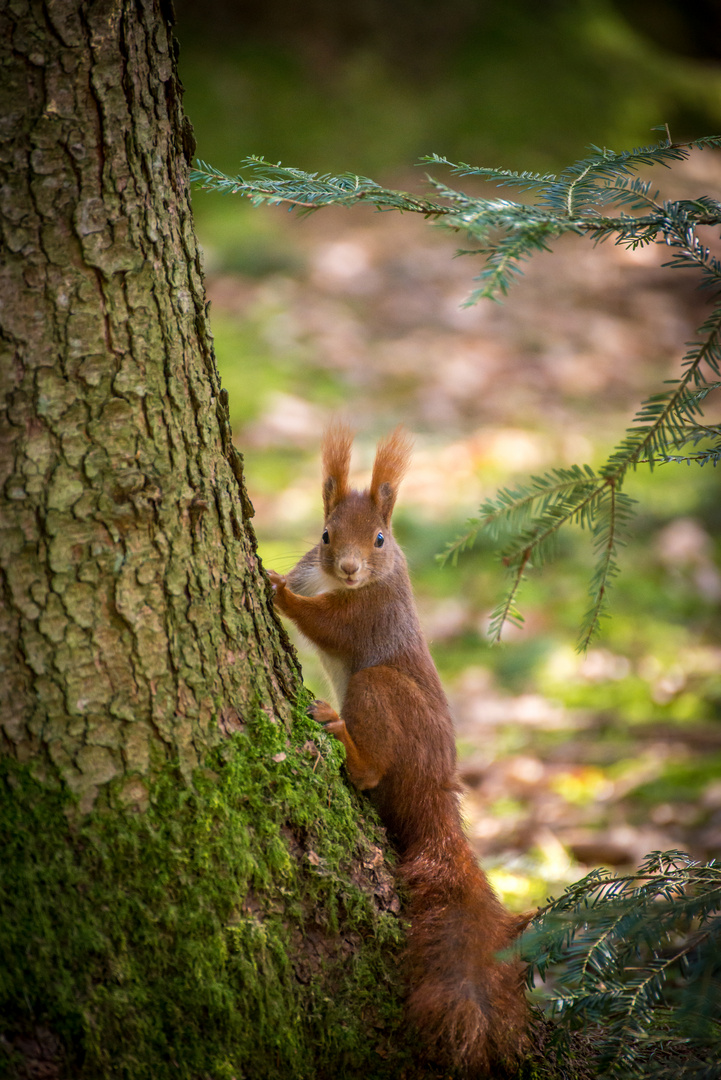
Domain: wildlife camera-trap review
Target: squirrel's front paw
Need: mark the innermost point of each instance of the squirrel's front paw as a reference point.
(322, 712)
(277, 581)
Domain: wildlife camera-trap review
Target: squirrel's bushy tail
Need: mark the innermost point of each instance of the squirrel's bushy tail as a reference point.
(468, 1004)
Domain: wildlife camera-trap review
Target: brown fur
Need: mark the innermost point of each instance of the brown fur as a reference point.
(353, 600)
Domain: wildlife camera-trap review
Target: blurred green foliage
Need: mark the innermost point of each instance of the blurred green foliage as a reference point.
(369, 88)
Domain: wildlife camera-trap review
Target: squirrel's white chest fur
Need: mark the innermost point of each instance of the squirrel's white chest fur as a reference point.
(311, 580)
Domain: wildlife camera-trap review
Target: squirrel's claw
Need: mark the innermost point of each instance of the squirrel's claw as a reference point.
(321, 712)
(277, 580)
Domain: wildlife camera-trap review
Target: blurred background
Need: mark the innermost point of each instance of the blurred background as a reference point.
(570, 761)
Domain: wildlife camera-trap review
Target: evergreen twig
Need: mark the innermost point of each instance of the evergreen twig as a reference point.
(637, 960)
(525, 521)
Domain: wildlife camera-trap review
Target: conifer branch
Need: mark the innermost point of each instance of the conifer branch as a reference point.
(525, 521)
(636, 959)
(607, 528)
(264, 182)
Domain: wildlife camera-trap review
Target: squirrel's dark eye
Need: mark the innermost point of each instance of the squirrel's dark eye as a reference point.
(379, 540)
(325, 537)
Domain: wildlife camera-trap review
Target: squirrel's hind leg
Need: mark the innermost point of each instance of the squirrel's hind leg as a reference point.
(363, 773)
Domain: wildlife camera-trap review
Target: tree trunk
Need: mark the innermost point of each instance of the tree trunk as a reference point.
(134, 602)
(188, 888)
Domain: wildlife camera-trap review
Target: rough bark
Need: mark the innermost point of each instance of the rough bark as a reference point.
(134, 621)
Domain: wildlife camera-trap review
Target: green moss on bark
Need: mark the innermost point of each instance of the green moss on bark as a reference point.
(201, 937)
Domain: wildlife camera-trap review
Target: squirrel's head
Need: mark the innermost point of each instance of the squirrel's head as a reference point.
(357, 544)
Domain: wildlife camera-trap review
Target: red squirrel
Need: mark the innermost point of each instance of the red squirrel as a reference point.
(351, 596)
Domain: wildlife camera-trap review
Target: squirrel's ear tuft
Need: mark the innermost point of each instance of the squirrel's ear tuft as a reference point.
(392, 460)
(337, 442)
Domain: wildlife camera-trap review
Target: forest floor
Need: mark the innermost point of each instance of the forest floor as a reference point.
(570, 761)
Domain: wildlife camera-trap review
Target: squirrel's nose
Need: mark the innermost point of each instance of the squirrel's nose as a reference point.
(349, 566)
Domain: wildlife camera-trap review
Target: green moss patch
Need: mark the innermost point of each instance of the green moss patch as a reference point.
(234, 929)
